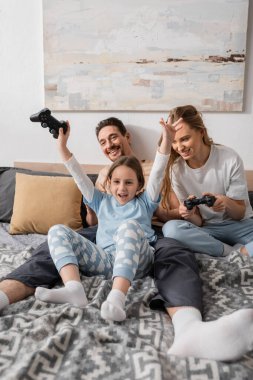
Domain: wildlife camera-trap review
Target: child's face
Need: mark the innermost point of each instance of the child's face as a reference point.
(124, 184)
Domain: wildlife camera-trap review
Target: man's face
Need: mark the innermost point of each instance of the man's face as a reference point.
(113, 143)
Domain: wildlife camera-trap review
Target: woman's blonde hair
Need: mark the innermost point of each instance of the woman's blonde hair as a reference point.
(193, 118)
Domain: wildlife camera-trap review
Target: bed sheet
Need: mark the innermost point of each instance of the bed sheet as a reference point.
(46, 341)
(19, 241)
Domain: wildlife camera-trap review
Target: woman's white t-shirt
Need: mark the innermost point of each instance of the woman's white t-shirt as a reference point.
(223, 173)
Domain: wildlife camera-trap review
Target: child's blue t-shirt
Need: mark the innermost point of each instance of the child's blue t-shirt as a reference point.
(112, 214)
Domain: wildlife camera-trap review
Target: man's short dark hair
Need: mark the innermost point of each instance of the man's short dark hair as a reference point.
(111, 121)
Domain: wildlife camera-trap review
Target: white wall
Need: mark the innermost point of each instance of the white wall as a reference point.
(22, 93)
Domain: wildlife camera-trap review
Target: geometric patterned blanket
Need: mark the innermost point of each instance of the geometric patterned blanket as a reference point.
(46, 342)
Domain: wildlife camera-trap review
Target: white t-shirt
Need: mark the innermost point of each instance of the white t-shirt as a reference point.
(223, 173)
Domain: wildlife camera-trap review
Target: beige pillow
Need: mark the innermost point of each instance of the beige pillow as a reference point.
(42, 201)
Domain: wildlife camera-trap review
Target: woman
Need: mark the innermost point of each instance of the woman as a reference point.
(198, 167)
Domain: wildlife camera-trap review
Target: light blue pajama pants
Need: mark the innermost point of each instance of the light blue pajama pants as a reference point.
(130, 257)
(209, 239)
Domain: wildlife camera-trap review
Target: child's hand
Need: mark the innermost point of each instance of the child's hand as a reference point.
(63, 138)
(168, 133)
(171, 129)
(62, 143)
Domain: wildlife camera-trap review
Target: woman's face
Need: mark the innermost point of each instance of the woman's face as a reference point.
(188, 143)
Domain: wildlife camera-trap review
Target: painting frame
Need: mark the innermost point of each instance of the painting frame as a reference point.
(144, 56)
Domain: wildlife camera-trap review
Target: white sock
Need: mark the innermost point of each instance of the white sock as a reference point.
(113, 308)
(73, 293)
(237, 246)
(227, 249)
(227, 338)
(4, 300)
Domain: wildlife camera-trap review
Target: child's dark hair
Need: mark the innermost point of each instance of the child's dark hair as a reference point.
(131, 162)
(111, 121)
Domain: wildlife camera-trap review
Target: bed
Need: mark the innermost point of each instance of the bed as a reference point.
(46, 341)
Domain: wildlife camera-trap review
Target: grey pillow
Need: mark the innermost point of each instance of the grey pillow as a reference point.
(7, 190)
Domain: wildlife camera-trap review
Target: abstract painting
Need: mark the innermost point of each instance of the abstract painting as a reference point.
(145, 55)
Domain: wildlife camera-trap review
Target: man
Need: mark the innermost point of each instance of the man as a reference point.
(175, 274)
(39, 270)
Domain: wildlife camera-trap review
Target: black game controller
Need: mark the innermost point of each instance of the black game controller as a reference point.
(48, 121)
(205, 200)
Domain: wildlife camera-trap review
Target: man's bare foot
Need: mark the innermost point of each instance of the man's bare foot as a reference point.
(244, 251)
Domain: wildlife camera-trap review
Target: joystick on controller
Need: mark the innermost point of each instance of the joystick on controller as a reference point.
(206, 199)
(48, 121)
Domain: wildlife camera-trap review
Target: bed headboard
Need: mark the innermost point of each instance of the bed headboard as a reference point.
(90, 169)
(249, 177)
(56, 167)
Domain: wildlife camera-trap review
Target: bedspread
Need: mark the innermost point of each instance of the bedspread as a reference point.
(47, 341)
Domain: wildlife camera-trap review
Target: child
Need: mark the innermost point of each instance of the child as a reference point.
(124, 236)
